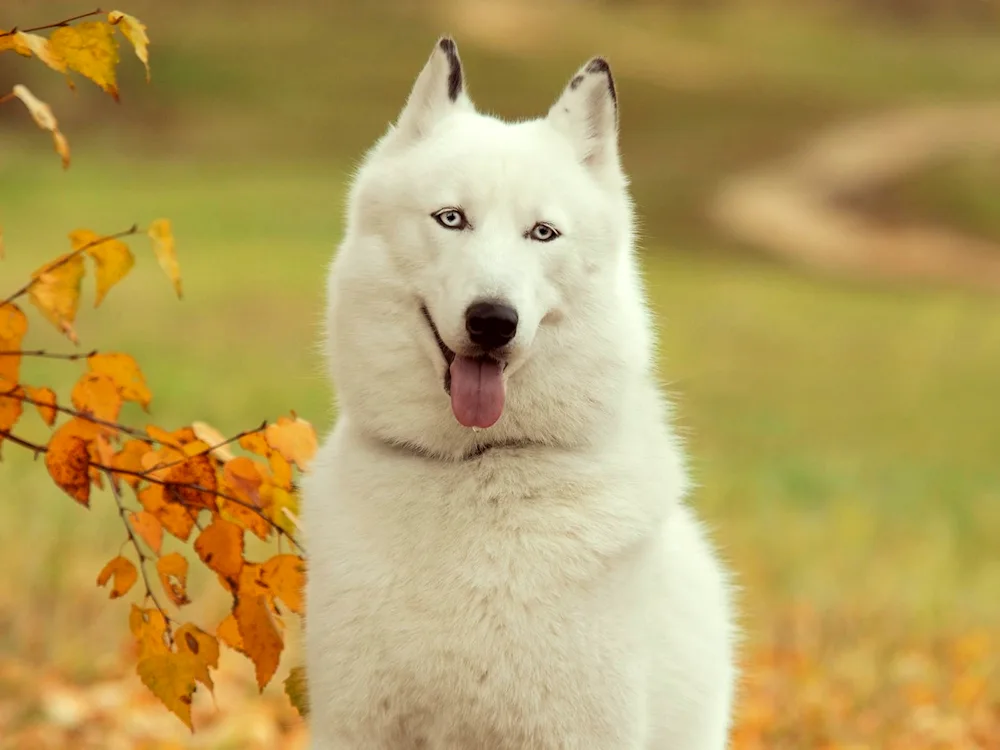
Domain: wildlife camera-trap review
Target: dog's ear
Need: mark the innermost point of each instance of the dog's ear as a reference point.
(438, 90)
(587, 114)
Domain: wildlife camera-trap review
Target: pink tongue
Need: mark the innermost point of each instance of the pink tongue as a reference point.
(477, 391)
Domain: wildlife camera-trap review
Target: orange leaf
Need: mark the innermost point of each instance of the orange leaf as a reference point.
(96, 394)
(245, 477)
(45, 403)
(173, 570)
(129, 458)
(124, 573)
(13, 326)
(126, 375)
(55, 291)
(68, 458)
(193, 482)
(229, 633)
(11, 406)
(175, 517)
(220, 547)
(135, 31)
(162, 236)
(90, 49)
(203, 647)
(112, 257)
(149, 529)
(256, 443)
(285, 576)
(262, 640)
(171, 678)
(294, 438)
(41, 113)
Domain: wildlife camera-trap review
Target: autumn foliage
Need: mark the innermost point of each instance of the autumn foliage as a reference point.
(186, 483)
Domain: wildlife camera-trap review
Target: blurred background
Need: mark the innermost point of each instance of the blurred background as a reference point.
(818, 183)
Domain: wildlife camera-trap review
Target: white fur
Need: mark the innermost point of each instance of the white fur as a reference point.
(553, 591)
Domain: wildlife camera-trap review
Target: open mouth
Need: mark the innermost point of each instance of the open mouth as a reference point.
(475, 383)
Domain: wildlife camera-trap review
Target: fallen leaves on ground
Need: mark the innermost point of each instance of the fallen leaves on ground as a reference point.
(815, 681)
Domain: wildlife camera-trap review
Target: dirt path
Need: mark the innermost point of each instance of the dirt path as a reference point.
(796, 210)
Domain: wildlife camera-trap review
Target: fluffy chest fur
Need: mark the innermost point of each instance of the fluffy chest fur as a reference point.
(479, 595)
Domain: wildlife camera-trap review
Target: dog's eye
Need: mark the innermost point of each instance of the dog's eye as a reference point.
(543, 232)
(451, 218)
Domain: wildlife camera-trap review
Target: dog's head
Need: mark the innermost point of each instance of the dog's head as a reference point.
(485, 279)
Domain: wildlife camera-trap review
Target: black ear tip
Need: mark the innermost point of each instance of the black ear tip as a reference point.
(599, 65)
(447, 45)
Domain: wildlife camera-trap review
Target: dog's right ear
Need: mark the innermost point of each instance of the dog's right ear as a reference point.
(438, 90)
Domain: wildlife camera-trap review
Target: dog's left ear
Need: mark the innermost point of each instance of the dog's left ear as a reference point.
(587, 114)
(438, 90)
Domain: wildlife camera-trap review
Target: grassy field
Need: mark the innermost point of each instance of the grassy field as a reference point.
(844, 436)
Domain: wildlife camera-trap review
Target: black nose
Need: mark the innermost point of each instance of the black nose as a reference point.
(491, 325)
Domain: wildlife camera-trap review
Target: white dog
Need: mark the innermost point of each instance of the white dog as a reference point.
(500, 555)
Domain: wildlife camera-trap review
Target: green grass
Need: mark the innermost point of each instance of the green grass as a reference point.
(844, 435)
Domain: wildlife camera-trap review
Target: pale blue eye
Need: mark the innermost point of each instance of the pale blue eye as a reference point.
(451, 218)
(543, 232)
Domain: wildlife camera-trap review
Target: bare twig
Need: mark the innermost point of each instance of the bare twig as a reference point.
(47, 355)
(38, 449)
(143, 557)
(85, 416)
(55, 25)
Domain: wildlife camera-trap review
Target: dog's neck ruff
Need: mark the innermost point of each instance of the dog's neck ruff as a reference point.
(475, 452)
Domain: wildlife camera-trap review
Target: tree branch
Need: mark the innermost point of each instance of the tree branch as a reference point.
(55, 25)
(141, 435)
(143, 557)
(46, 355)
(69, 256)
(38, 449)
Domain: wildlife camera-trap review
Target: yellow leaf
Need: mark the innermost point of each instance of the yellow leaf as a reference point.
(203, 647)
(124, 573)
(33, 44)
(13, 326)
(173, 570)
(111, 256)
(95, 394)
(283, 508)
(213, 437)
(55, 291)
(149, 529)
(162, 236)
(294, 438)
(68, 458)
(127, 377)
(297, 690)
(90, 49)
(150, 630)
(45, 402)
(135, 31)
(171, 678)
(43, 117)
(285, 576)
